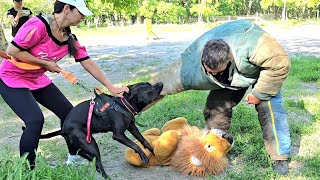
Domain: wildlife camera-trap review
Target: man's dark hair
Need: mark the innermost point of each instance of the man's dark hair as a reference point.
(17, 0)
(216, 52)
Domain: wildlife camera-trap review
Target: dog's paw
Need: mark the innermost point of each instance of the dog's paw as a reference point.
(150, 148)
(152, 151)
(144, 158)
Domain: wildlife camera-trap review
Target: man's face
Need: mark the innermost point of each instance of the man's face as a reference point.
(213, 72)
(17, 4)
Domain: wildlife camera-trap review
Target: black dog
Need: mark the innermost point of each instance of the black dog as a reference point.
(110, 114)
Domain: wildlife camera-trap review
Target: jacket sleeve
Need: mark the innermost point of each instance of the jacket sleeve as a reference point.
(275, 65)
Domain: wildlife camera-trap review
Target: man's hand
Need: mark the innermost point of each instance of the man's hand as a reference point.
(251, 99)
(20, 14)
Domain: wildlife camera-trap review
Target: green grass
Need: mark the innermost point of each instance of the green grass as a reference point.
(305, 68)
(248, 158)
(18, 168)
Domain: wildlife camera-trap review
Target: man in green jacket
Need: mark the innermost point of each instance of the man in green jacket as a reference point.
(227, 60)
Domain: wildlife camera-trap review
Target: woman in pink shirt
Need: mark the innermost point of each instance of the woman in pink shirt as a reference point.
(42, 41)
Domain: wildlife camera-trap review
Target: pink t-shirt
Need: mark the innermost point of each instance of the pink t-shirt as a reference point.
(43, 45)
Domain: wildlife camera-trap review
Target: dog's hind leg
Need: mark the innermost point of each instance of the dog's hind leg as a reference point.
(135, 132)
(120, 137)
(90, 151)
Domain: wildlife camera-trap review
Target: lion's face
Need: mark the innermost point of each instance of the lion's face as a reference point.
(216, 145)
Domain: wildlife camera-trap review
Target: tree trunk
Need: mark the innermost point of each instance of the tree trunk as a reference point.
(3, 41)
(199, 13)
(249, 7)
(284, 11)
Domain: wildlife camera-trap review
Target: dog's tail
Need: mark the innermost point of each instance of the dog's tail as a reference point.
(52, 134)
(48, 135)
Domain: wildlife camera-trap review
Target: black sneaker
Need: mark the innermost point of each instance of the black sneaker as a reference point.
(281, 167)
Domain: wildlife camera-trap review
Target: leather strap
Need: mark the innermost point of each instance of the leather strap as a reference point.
(21, 65)
(88, 138)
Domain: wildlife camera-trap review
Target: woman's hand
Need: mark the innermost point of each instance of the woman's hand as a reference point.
(51, 66)
(251, 99)
(118, 91)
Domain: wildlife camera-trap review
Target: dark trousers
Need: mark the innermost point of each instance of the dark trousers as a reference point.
(271, 114)
(24, 103)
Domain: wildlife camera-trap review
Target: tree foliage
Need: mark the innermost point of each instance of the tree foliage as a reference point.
(179, 11)
(148, 8)
(170, 12)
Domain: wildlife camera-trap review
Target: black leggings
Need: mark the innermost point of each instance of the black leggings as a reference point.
(24, 103)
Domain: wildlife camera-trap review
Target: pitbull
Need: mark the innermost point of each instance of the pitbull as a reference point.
(110, 114)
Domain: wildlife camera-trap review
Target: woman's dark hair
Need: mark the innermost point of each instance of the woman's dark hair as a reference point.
(72, 48)
(215, 53)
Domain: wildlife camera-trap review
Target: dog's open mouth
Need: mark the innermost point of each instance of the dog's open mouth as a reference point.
(159, 87)
(224, 135)
(156, 88)
(228, 138)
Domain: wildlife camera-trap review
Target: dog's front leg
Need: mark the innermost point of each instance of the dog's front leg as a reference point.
(120, 137)
(136, 133)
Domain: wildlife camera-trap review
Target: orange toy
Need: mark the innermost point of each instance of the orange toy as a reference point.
(185, 148)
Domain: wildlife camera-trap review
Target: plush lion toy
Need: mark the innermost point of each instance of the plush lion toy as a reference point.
(186, 148)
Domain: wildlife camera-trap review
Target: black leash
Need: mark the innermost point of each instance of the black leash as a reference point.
(83, 86)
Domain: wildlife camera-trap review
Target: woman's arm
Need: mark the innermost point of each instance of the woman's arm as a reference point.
(26, 57)
(90, 66)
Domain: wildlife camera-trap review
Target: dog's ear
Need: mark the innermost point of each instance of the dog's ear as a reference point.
(132, 89)
(127, 95)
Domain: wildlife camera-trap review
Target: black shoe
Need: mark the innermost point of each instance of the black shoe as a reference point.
(281, 167)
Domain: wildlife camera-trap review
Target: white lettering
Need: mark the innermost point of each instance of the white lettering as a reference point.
(44, 56)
